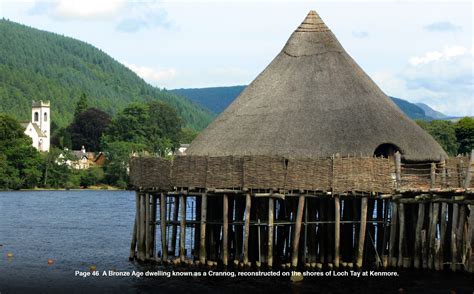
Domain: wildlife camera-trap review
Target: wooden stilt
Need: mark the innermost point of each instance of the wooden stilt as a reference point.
(225, 230)
(419, 227)
(164, 247)
(202, 242)
(248, 204)
(271, 208)
(197, 228)
(357, 204)
(453, 237)
(393, 235)
(469, 241)
(401, 237)
(460, 227)
(363, 225)
(442, 235)
(296, 236)
(133, 244)
(141, 239)
(432, 240)
(385, 237)
(153, 224)
(231, 217)
(147, 226)
(259, 245)
(424, 249)
(174, 230)
(337, 229)
(182, 231)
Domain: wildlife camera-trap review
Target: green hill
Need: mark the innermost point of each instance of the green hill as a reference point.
(217, 99)
(431, 112)
(38, 65)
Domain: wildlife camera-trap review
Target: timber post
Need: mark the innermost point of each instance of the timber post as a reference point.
(296, 236)
(164, 247)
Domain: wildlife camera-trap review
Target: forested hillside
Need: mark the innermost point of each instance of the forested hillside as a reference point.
(38, 65)
(217, 99)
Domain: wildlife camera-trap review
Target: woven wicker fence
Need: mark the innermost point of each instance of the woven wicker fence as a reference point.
(309, 174)
(264, 172)
(224, 172)
(366, 174)
(150, 173)
(189, 171)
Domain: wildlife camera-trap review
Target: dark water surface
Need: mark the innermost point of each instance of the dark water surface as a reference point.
(80, 229)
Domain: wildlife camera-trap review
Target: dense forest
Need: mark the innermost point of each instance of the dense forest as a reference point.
(38, 65)
(217, 99)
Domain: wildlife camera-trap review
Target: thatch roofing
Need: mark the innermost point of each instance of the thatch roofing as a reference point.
(313, 100)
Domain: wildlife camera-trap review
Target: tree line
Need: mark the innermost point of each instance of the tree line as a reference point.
(455, 137)
(152, 127)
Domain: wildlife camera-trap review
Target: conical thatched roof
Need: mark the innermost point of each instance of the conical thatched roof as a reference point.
(313, 100)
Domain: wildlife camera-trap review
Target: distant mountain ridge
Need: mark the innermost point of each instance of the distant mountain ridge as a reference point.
(216, 99)
(431, 112)
(39, 65)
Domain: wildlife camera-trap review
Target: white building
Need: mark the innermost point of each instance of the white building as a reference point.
(39, 126)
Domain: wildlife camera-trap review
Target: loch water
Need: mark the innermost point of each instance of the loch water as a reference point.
(81, 229)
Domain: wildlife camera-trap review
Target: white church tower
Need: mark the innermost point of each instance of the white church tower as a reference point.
(39, 127)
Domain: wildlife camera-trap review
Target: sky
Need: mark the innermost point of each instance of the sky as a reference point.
(421, 51)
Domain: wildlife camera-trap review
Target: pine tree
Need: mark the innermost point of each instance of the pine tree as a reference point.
(82, 105)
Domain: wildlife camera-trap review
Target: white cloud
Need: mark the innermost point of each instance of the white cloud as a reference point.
(88, 9)
(79, 10)
(144, 14)
(446, 54)
(129, 15)
(151, 75)
(442, 79)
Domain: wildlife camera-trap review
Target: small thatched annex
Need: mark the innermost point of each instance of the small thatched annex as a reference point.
(311, 166)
